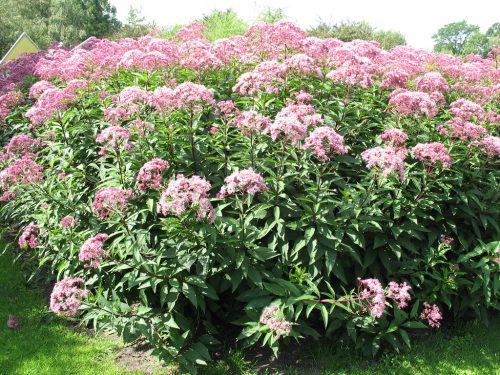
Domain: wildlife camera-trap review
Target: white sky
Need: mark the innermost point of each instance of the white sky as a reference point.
(416, 19)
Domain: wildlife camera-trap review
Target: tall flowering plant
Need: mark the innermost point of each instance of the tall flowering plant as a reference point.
(282, 185)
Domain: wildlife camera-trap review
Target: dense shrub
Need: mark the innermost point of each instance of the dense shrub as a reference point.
(267, 186)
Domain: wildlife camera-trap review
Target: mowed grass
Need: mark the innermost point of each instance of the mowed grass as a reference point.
(45, 344)
(470, 349)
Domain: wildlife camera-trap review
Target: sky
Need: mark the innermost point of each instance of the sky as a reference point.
(417, 20)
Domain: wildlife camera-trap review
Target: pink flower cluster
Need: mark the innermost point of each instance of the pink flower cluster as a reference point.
(243, 182)
(188, 96)
(92, 252)
(394, 79)
(150, 174)
(277, 324)
(13, 322)
(386, 159)
(252, 122)
(226, 108)
(432, 154)
(54, 100)
(467, 110)
(21, 171)
(127, 103)
(462, 129)
(394, 137)
(68, 222)
(67, 297)
(187, 193)
(292, 122)
(9, 101)
(352, 75)
(38, 88)
(325, 142)
(23, 144)
(446, 240)
(115, 137)
(141, 128)
(400, 293)
(432, 314)
(490, 145)
(374, 295)
(109, 201)
(412, 103)
(431, 82)
(28, 238)
(266, 77)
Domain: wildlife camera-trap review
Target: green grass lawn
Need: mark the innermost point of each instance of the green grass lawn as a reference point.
(471, 349)
(46, 344)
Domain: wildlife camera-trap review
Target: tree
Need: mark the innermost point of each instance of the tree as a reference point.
(223, 24)
(345, 30)
(271, 15)
(389, 39)
(67, 21)
(135, 27)
(477, 44)
(452, 37)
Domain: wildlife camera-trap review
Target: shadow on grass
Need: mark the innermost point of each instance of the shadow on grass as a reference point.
(44, 344)
(470, 349)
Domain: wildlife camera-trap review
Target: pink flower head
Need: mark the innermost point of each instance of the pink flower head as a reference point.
(131, 95)
(91, 253)
(190, 95)
(141, 127)
(21, 171)
(68, 222)
(463, 130)
(276, 323)
(325, 142)
(187, 193)
(431, 82)
(150, 174)
(409, 103)
(303, 97)
(67, 297)
(446, 240)
(9, 101)
(13, 322)
(400, 293)
(467, 110)
(114, 136)
(226, 108)
(394, 137)
(115, 115)
(302, 64)
(395, 79)
(292, 122)
(432, 314)
(111, 200)
(373, 295)
(22, 144)
(28, 238)
(163, 99)
(432, 154)
(352, 75)
(387, 159)
(252, 122)
(490, 145)
(38, 88)
(245, 181)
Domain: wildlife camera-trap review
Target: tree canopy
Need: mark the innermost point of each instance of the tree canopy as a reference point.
(67, 21)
